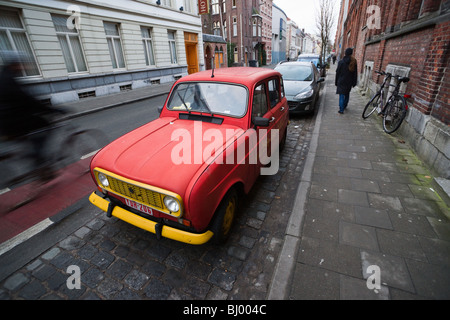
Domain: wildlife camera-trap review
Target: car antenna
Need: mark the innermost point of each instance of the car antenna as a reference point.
(213, 63)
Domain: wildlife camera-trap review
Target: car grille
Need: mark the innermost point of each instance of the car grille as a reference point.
(142, 195)
(292, 104)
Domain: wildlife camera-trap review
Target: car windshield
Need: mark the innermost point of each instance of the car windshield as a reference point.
(216, 98)
(309, 59)
(295, 73)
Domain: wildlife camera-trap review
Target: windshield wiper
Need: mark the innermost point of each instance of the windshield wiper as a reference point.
(182, 101)
(207, 106)
(202, 99)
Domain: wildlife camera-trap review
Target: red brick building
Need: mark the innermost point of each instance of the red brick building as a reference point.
(245, 25)
(410, 38)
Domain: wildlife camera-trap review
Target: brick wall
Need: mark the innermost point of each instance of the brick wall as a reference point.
(413, 37)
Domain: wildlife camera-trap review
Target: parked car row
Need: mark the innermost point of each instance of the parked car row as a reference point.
(182, 175)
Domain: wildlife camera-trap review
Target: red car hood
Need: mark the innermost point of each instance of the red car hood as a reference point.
(145, 154)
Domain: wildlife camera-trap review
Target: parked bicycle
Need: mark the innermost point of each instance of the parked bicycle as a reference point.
(394, 109)
(379, 99)
(65, 151)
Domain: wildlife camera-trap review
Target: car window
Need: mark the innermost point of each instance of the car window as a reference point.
(259, 107)
(295, 72)
(309, 59)
(218, 98)
(274, 90)
(282, 88)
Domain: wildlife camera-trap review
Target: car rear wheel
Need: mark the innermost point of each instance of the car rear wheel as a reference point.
(224, 217)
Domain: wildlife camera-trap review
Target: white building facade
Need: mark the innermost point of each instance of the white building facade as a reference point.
(279, 30)
(82, 48)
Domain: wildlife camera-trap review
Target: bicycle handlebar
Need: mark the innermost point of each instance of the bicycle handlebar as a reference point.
(398, 77)
(384, 73)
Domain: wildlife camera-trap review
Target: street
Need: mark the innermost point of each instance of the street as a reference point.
(116, 260)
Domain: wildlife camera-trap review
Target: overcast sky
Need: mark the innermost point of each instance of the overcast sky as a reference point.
(304, 13)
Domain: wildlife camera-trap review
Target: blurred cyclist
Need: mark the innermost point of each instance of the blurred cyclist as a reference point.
(22, 115)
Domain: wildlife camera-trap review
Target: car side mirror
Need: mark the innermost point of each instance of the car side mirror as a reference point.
(160, 109)
(321, 79)
(260, 121)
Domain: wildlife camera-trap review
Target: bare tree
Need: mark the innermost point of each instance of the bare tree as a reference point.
(325, 19)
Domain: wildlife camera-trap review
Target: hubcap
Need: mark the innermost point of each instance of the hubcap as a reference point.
(229, 215)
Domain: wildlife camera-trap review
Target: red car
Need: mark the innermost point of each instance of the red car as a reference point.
(181, 175)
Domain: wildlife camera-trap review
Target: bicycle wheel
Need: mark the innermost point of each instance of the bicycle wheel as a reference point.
(78, 149)
(372, 105)
(395, 113)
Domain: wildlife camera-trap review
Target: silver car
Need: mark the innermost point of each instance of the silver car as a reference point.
(301, 85)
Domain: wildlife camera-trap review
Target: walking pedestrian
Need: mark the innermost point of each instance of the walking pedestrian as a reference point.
(346, 78)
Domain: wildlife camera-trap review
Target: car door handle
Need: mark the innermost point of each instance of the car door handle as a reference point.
(272, 120)
(282, 109)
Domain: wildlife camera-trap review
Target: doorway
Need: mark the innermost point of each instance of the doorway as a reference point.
(190, 41)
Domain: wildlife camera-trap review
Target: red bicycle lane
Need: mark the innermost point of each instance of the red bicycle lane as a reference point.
(41, 201)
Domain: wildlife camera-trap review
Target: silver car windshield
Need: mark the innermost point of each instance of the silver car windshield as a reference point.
(216, 98)
(295, 73)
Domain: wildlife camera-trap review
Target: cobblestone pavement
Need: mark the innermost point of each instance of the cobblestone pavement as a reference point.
(120, 261)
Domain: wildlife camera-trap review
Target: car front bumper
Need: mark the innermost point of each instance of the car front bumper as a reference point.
(304, 106)
(149, 225)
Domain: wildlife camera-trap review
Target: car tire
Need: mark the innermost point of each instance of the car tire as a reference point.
(283, 141)
(224, 217)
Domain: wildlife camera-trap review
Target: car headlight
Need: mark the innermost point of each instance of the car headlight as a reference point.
(103, 180)
(172, 204)
(307, 93)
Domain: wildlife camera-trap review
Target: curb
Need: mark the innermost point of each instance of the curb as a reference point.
(285, 266)
(113, 105)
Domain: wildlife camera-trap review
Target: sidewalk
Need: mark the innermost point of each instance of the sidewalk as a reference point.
(370, 202)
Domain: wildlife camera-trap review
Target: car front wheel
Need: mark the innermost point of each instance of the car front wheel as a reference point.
(224, 217)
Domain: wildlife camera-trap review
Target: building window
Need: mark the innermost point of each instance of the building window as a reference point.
(236, 55)
(148, 46)
(172, 47)
(215, 6)
(224, 6)
(69, 41)
(216, 28)
(13, 37)
(114, 44)
(233, 3)
(188, 6)
(225, 29)
(234, 27)
(254, 27)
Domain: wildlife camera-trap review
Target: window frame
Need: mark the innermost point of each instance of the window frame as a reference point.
(149, 56)
(173, 46)
(12, 44)
(264, 86)
(112, 37)
(67, 36)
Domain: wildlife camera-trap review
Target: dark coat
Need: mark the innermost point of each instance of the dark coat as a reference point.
(20, 112)
(346, 75)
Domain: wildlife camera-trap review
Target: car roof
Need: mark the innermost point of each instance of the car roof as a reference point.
(306, 55)
(300, 63)
(240, 75)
